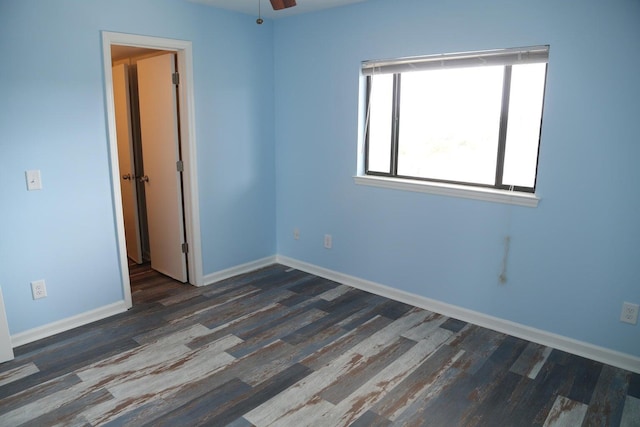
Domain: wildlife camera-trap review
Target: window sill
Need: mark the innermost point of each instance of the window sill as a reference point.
(453, 190)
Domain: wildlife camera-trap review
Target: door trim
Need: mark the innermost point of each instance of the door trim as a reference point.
(184, 53)
(6, 342)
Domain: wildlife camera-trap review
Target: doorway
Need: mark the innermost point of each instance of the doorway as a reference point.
(146, 90)
(181, 51)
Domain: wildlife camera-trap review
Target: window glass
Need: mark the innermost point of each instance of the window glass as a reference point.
(523, 129)
(449, 124)
(380, 123)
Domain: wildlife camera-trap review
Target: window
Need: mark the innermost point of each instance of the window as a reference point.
(470, 119)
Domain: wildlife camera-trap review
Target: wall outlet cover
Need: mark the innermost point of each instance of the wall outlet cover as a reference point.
(38, 289)
(629, 313)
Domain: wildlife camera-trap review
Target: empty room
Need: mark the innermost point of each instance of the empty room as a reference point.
(323, 213)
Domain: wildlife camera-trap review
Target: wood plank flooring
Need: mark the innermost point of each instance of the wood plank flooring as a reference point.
(279, 347)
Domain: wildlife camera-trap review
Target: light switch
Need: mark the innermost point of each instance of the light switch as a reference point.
(34, 181)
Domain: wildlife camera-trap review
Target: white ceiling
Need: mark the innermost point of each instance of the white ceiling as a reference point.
(250, 7)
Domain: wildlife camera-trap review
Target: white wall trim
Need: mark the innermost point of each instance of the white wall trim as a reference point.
(239, 269)
(452, 190)
(570, 345)
(6, 345)
(63, 325)
(82, 319)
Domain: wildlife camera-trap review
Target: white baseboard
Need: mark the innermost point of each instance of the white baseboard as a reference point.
(570, 345)
(63, 325)
(239, 269)
(69, 323)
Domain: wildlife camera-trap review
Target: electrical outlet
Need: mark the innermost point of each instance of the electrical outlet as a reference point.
(629, 313)
(38, 289)
(296, 233)
(328, 241)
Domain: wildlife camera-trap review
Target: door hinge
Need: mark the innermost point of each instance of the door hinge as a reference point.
(180, 166)
(185, 248)
(175, 78)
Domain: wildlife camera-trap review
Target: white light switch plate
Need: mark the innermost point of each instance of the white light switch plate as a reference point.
(34, 180)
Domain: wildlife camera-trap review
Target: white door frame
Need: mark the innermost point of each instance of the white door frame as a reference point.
(6, 346)
(184, 53)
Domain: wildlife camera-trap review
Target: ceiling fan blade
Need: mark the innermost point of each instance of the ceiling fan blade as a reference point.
(282, 4)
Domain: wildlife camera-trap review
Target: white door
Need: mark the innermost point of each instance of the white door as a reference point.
(126, 163)
(6, 348)
(160, 154)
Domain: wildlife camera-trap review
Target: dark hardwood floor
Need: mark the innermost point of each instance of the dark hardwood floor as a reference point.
(282, 347)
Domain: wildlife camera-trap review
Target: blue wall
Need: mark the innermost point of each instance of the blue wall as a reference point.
(276, 121)
(573, 260)
(53, 118)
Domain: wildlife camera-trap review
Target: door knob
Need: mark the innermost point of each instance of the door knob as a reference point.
(127, 177)
(144, 178)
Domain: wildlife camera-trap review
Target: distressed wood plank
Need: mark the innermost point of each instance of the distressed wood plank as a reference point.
(356, 404)
(371, 419)
(531, 360)
(551, 382)
(474, 339)
(426, 328)
(270, 332)
(17, 373)
(454, 325)
(67, 413)
(40, 391)
(306, 390)
(149, 412)
(565, 413)
(234, 408)
(634, 385)
(608, 399)
(338, 310)
(344, 343)
(356, 377)
(631, 412)
(424, 382)
(61, 362)
(498, 405)
(334, 293)
(457, 403)
(585, 375)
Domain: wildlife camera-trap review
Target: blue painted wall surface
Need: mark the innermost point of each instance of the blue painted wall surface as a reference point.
(53, 118)
(573, 260)
(276, 122)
